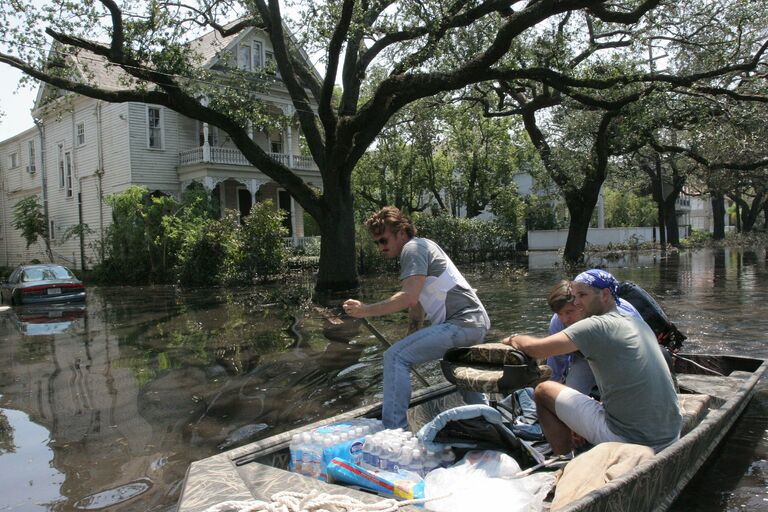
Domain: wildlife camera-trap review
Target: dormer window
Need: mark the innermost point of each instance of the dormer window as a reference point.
(250, 55)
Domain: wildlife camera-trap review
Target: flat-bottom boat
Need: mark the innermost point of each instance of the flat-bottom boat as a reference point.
(714, 391)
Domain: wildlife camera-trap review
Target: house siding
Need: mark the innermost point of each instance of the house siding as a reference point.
(114, 156)
(155, 168)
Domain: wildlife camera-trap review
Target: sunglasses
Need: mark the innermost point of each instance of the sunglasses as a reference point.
(381, 241)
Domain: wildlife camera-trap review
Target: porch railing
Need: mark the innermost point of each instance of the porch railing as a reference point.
(233, 156)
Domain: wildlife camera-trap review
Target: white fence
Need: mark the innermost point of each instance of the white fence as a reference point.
(553, 239)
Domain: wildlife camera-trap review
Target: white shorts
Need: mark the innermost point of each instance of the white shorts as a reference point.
(585, 416)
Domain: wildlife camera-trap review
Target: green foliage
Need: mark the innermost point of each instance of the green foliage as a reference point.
(258, 251)
(158, 239)
(137, 245)
(509, 209)
(541, 212)
(28, 218)
(468, 240)
(697, 238)
(203, 250)
(625, 209)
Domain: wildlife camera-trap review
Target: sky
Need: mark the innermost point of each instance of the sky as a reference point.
(15, 104)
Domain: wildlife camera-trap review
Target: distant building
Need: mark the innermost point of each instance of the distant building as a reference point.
(83, 150)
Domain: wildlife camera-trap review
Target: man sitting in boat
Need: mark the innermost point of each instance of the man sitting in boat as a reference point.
(639, 404)
(572, 369)
(431, 284)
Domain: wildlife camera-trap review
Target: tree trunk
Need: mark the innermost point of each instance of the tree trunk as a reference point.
(580, 207)
(337, 277)
(718, 216)
(658, 196)
(670, 217)
(673, 229)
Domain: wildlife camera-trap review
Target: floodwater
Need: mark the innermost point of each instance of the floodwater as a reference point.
(103, 408)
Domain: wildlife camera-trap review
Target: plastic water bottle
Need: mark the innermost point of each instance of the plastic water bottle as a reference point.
(417, 464)
(313, 455)
(431, 461)
(404, 458)
(297, 453)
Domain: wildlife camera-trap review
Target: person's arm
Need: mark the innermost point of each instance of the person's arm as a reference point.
(540, 348)
(416, 318)
(406, 298)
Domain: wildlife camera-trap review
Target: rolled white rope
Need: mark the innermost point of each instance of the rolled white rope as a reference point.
(313, 501)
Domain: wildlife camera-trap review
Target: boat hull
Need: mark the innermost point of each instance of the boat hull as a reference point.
(254, 470)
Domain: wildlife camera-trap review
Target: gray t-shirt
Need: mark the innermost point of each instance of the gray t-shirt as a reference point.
(635, 385)
(423, 257)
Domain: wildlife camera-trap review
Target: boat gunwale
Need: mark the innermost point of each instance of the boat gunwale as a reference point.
(720, 420)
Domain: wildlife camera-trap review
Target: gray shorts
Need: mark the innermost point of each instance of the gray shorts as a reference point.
(585, 416)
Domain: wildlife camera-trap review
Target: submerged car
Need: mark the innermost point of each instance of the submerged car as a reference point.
(42, 284)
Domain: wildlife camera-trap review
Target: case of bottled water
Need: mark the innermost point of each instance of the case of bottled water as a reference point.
(312, 450)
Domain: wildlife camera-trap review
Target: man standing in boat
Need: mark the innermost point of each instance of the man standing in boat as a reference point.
(639, 404)
(431, 285)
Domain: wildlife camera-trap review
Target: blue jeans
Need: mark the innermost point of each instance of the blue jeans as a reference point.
(424, 345)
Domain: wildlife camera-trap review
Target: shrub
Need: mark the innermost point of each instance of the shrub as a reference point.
(259, 250)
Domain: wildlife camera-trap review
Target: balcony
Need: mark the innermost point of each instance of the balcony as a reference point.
(232, 156)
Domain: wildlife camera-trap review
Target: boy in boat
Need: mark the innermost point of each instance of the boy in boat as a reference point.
(431, 285)
(639, 404)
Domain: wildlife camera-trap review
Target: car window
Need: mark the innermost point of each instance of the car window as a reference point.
(14, 278)
(31, 275)
(60, 273)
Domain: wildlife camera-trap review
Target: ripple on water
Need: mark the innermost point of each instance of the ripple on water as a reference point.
(110, 497)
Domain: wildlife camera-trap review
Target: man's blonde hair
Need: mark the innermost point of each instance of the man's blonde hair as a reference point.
(392, 218)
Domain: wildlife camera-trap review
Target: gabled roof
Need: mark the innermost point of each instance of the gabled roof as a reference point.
(97, 70)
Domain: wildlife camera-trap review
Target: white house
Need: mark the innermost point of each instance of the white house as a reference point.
(83, 150)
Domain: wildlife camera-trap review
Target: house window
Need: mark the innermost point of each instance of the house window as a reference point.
(81, 134)
(13, 160)
(52, 231)
(250, 55)
(244, 62)
(154, 128)
(270, 63)
(68, 166)
(275, 141)
(257, 62)
(31, 151)
(61, 168)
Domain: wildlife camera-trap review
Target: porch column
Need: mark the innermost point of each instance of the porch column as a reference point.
(206, 146)
(294, 223)
(254, 184)
(289, 134)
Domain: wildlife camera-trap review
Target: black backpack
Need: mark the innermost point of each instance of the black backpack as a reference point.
(654, 316)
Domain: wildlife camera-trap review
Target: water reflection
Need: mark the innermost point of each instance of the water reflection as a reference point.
(40, 320)
(124, 397)
(29, 479)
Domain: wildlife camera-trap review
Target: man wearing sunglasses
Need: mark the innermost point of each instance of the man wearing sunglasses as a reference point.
(431, 285)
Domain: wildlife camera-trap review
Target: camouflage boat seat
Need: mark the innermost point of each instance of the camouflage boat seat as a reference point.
(693, 408)
(492, 368)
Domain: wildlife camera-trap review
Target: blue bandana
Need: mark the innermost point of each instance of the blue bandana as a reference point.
(599, 279)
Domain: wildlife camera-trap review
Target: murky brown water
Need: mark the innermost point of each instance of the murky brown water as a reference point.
(104, 409)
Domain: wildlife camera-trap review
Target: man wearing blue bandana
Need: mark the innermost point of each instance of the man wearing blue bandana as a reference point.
(639, 404)
(572, 369)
